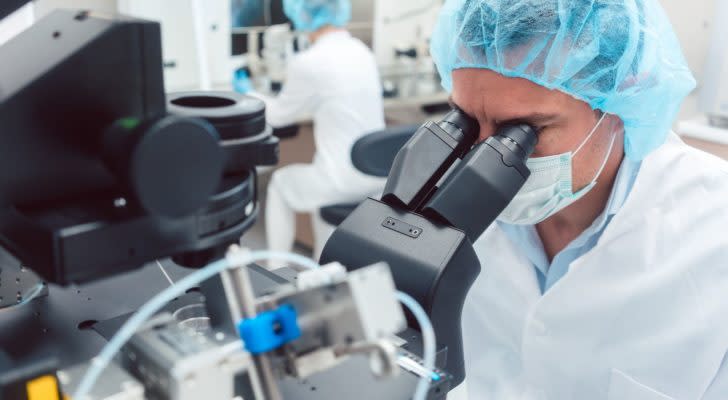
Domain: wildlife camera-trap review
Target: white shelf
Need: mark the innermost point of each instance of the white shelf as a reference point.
(700, 129)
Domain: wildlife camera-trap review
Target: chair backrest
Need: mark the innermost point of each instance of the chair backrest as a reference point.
(373, 154)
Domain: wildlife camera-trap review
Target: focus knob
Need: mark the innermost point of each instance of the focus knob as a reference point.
(170, 165)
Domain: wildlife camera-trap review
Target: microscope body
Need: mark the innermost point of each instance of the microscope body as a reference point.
(418, 251)
(443, 191)
(103, 171)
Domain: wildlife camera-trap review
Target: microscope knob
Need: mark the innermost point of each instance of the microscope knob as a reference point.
(170, 165)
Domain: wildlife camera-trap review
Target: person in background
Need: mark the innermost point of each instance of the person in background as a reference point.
(606, 277)
(336, 83)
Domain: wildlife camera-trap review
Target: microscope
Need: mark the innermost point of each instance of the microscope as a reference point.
(103, 172)
(442, 192)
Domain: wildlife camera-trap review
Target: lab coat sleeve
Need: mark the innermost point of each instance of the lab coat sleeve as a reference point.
(297, 99)
(718, 389)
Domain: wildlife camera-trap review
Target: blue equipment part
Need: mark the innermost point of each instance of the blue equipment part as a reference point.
(270, 330)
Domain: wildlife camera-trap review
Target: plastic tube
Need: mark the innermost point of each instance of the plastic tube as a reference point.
(158, 302)
(37, 290)
(161, 299)
(428, 339)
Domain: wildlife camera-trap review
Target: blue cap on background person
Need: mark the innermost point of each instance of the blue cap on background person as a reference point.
(310, 15)
(621, 57)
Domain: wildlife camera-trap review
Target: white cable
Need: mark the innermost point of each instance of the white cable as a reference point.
(158, 302)
(166, 275)
(37, 290)
(428, 339)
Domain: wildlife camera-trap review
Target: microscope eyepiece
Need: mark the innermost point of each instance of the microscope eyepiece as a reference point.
(460, 125)
(521, 139)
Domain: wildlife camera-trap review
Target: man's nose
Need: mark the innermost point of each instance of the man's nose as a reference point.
(486, 131)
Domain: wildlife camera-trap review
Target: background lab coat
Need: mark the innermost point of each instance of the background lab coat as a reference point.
(335, 82)
(642, 316)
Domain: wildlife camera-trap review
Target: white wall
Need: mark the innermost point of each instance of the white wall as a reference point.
(692, 20)
(182, 71)
(395, 28)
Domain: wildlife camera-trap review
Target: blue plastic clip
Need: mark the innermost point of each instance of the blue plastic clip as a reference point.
(270, 330)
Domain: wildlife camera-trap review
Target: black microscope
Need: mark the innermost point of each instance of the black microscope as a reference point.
(442, 192)
(103, 172)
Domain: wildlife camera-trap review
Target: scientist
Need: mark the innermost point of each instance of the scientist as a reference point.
(336, 82)
(606, 278)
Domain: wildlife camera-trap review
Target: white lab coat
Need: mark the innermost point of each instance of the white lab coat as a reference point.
(336, 83)
(642, 316)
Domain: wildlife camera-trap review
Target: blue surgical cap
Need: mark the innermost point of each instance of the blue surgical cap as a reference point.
(619, 56)
(310, 15)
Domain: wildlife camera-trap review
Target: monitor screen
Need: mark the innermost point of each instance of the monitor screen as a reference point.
(257, 13)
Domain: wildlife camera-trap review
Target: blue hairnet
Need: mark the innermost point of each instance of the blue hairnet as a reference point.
(310, 15)
(619, 56)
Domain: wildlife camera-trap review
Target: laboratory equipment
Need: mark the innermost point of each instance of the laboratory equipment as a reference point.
(265, 52)
(441, 194)
(403, 29)
(262, 34)
(277, 49)
(297, 330)
(108, 179)
(196, 40)
(401, 40)
(107, 174)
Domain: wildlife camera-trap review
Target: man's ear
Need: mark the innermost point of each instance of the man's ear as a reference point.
(614, 122)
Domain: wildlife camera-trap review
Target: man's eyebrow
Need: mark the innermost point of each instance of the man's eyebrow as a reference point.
(536, 118)
(531, 119)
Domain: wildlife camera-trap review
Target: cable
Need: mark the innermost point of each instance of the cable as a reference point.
(35, 292)
(157, 302)
(166, 275)
(428, 339)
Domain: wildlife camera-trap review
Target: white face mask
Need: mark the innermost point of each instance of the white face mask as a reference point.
(549, 188)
